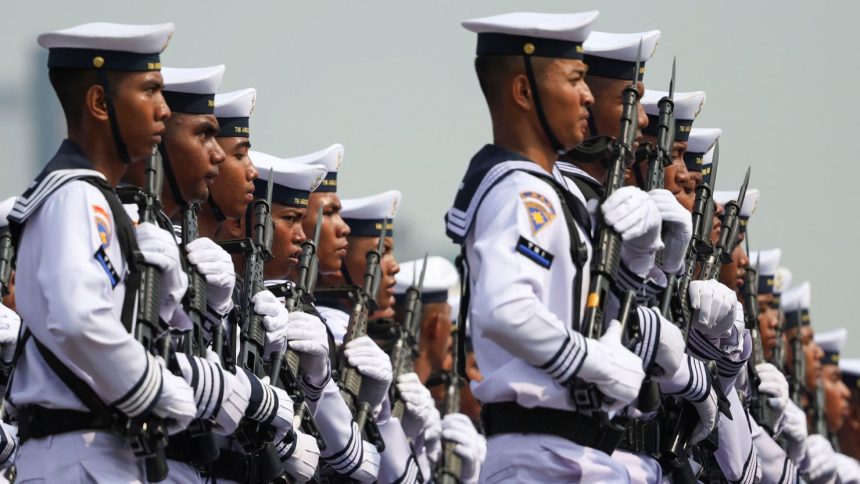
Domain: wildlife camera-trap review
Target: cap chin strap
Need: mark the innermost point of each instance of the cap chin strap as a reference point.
(592, 125)
(170, 176)
(553, 140)
(216, 210)
(345, 271)
(121, 148)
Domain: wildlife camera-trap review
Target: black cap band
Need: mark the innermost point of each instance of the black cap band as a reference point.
(233, 128)
(184, 102)
(794, 319)
(359, 227)
(830, 358)
(328, 184)
(506, 44)
(282, 194)
(613, 68)
(694, 161)
(108, 60)
(682, 127)
(766, 284)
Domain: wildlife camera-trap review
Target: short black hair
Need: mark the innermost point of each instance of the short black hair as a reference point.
(493, 73)
(71, 86)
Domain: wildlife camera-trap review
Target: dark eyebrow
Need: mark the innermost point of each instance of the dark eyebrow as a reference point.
(244, 144)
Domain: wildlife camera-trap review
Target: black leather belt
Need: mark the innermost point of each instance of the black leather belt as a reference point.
(641, 437)
(511, 418)
(35, 422)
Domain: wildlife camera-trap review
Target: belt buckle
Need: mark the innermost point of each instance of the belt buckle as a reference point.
(585, 396)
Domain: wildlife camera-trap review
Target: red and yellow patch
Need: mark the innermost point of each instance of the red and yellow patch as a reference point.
(540, 210)
(102, 220)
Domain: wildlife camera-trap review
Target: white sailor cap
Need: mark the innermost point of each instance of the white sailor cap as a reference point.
(440, 276)
(365, 216)
(688, 105)
(5, 210)
(750, 203)
(555, 35)
(850, 372)
(192, 90)
(831, 342)
(795, 303)
(233, 110)
(701, 140)
(614, 56)
(331, 158)
(765, 263)
(783, 279)
(292, 183)
(107, 46)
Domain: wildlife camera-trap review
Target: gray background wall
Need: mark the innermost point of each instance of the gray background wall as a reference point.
(393, 81)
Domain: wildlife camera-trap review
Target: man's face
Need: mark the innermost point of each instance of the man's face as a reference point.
(768, 322)
(439, 351)
(565, 98)
(141, 111)
(608, 107)
(233, 189)
(356, 264)
(287, 240)
(334, 233)
(732, 274)
(687, 195)
(837, 397)
(194, 153)
(813, 354)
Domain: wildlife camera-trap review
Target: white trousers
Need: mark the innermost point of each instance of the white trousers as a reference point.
(641, 468)
(546, 458)
(78, 457)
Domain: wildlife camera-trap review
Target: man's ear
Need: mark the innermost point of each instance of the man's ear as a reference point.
(95, 103)
(521, 92)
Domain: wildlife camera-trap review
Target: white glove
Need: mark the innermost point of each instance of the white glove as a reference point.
(300, 460)
(8, 444)
(419, 405)
(679, 229)
(268, 404)
(615, 370)
(369, 359)
(216, 265)
(708, 417)
(848, 469)
(210, 382)
(307, 336)
(632, 213)
(457, 428)
(670, 350)
(10, 326)
(175, 402)
(276, 318)
(795, 432)
(159, 249)
(368, 470)
(774, 384)
(433, 439)
(714, 308)
(820, 460)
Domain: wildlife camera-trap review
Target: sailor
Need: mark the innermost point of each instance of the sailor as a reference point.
(766, 262)
(849, 435)
(82, 372)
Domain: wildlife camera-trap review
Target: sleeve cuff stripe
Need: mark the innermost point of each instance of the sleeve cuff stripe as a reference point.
(347, 457)
(144, 393)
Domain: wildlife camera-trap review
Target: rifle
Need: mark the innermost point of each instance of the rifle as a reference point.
(300, 295)
(665, 138)
(7, 260)
(681, 416)
(255, 438)
(406, 348)
(149, 438)
(364, 302)
(722, 253)
(818, 410)
(607, 250)
(450, 466)
(202, 445)
(759, 408)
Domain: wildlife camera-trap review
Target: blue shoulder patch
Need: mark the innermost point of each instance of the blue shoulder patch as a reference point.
(103, 259)
(534, 253)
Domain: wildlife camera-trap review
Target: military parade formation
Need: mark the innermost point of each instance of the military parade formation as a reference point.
(178, 307)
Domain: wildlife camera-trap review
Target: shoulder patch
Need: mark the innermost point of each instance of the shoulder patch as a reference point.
(540, 210)
(102, 221)
(534, 253)
(103, 260)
